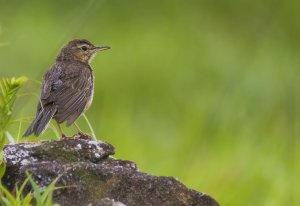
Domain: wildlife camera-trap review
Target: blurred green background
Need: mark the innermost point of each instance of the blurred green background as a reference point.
(206, 91)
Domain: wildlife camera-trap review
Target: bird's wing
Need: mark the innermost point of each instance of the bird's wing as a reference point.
(50, 83)
(69, 88)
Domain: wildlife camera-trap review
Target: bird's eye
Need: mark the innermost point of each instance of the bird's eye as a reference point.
(84, 48)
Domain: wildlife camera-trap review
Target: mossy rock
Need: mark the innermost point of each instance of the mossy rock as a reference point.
(92, 177)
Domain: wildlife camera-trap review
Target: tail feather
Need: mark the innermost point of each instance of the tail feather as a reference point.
(41, 121)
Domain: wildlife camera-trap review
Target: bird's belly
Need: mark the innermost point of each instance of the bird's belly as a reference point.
(91, 96)
(89, 101)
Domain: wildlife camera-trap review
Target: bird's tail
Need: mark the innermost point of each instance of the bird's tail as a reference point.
(41, 121)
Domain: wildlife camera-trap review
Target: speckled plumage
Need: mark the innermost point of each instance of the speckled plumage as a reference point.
(67, 89)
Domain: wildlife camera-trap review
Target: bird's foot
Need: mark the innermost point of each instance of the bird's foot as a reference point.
(63, 137)
(81, 135)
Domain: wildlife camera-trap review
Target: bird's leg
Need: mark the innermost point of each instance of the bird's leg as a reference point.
(81, 134)
(63, 136)
(78, 129)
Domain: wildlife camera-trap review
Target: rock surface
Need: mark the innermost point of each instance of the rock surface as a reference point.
(93, 178)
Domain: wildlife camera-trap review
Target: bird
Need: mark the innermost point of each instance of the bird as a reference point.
(67, 88)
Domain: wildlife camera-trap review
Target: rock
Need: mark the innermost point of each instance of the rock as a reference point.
(92, 177)
(107, 202)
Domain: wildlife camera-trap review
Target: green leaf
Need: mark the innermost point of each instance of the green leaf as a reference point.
(27, 200)
(2, 168)
(8, 93)
(47, 194)
(8, 195)
(43, 197)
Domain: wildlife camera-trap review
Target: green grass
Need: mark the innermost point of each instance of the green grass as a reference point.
(205, 91)
(9, 88)
(8, 93)
(38, 196)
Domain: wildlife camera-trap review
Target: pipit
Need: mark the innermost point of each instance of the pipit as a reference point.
(68, 87)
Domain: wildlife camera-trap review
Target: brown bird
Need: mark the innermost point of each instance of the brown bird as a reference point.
(68, 86)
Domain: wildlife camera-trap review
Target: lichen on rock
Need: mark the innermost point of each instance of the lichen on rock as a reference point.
(93, 177)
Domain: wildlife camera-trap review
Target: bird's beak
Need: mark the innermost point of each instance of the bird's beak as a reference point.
(101, 48)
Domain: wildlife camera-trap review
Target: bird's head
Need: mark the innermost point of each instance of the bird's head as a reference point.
(80, 50)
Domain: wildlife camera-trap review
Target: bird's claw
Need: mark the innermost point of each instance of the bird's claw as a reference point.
(63, 137)
(83, 136)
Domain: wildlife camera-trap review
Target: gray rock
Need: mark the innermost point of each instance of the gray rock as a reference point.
(93, 178)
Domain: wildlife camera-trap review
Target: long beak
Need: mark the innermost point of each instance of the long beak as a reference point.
(101, 48)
